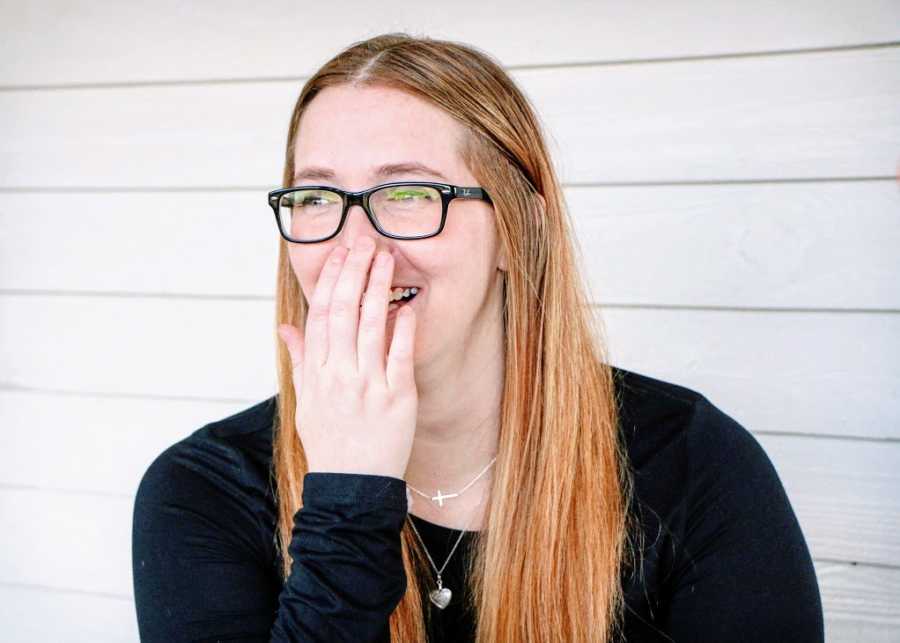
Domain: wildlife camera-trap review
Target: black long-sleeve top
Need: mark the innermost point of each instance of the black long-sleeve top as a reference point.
(724, 556)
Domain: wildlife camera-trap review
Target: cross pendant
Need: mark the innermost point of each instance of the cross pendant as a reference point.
(440, 497)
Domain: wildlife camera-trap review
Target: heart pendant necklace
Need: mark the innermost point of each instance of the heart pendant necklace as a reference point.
(442, 595)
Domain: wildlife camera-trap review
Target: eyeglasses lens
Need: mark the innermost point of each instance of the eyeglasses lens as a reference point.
(408, 210)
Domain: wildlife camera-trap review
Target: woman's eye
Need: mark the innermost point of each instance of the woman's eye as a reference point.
(407, 195)
(306, 200)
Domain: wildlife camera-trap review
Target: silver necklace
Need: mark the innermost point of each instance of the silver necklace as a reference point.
(440, 497)
(440, 596)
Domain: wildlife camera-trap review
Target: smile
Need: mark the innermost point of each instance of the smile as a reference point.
(405, 294)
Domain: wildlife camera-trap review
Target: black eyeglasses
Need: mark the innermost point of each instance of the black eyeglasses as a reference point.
(401, 210)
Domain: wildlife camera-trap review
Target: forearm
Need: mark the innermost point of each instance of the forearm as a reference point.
(347, 574)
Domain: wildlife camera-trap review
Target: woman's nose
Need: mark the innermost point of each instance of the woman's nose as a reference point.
(357, 225)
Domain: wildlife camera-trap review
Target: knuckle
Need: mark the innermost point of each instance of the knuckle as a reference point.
(403, 393)
(342, 308)
(401, 357)
(343, 383)
(370, 320)
(368, 329)
(318, 311)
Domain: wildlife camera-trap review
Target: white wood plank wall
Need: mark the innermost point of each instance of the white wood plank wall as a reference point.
(731, 169)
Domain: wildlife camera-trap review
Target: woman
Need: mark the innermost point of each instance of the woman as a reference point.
(462, 464)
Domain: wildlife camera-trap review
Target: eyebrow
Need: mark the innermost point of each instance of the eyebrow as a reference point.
(385, 171)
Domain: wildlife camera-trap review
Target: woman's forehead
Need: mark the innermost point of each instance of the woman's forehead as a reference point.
(360, 130)
(345, 110)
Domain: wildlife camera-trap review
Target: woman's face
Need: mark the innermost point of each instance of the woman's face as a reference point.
(348, 134)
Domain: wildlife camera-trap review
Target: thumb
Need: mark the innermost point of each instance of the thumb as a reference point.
(293, 340)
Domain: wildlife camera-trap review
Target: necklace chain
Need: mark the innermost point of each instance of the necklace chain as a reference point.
(441, 596)
(430, 559)
(440, 497)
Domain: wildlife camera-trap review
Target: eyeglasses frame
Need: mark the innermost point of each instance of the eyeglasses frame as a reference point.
(447, 191)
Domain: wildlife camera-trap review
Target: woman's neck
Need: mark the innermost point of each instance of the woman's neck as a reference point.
(457, 427)
(443, 465)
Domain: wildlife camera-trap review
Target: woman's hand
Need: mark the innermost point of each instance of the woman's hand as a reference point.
(356, 407)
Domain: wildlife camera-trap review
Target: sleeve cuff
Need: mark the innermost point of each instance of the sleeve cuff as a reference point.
(350, 488)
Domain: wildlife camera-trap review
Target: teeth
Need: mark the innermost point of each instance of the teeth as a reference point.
(398, 293)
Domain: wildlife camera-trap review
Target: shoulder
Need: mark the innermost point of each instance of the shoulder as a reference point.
(701, 473)
(662, 419)
(702, 483)
(696, 469)
(222, 466)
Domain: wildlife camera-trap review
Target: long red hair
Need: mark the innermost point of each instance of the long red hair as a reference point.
(548, 568)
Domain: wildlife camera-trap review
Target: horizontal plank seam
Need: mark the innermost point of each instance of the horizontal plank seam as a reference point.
(828, 436)
(853, 563)
(119, 294)
(763, 53)
(509, 68)
(715, 182)
(6, 387)
(67, 590)
(745, 309)
(6, 486)
(15, 388)
(155, 189)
